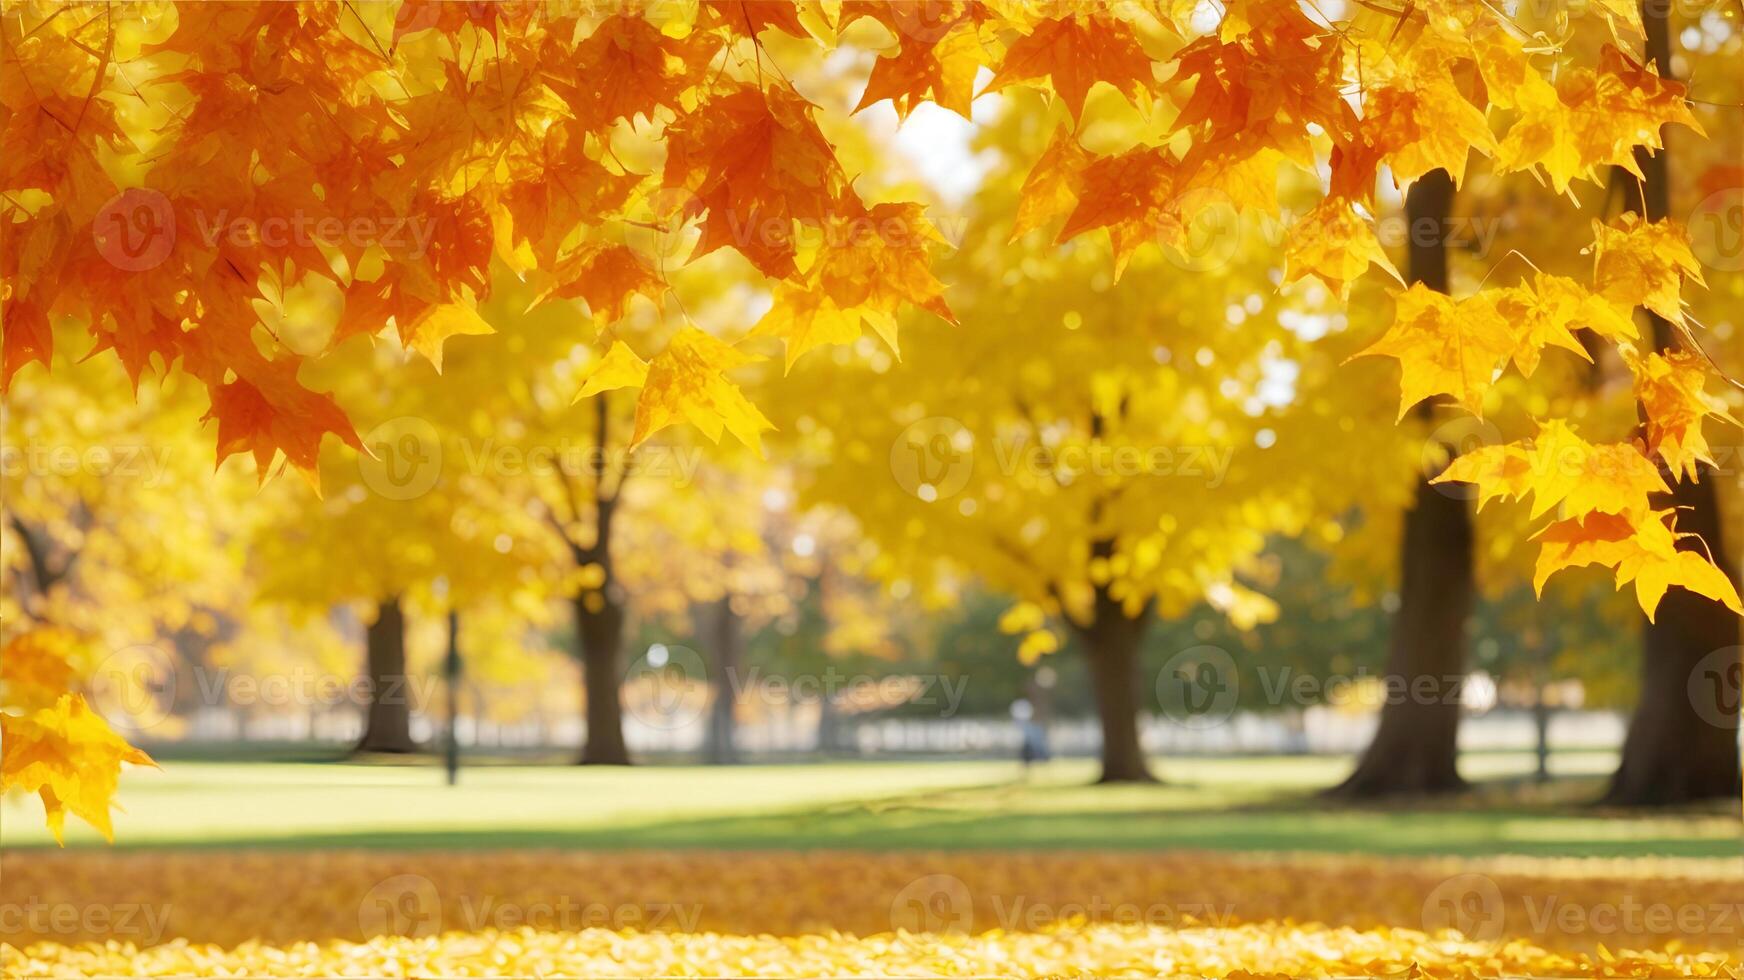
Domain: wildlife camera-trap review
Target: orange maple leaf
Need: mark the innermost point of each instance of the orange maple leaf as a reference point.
(1052, 186)
(942, 71)
(627, 68)
(749, 18)
(608, 277)
(28, 337)
(756, 163)
(1641, 547)
(1075, 52)
(1133, 196)
(263, 408)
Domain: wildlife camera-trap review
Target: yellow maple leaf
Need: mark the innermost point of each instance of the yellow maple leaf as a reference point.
(1443, 348)
(427, 333)
(36, 668)
(620, 368)
(1509, 76)
(1334, 244)
(1644, 263)
(687, 381)
(1427, 125)
(874, 263)
(70, 757)
(1641, 547)
(942, 72)
(1548, 311)
(1051, 189)
(1559, 467)
(807, 318)
(1669, 388)
(1591, 120)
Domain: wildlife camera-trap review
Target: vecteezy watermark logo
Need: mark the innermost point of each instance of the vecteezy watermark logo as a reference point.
(398, 234)
(134, 688)
(1716, 229)
(658, 220)
(34, 919)
(565, 914)
(1199, 687)
(404, 905)
(1716, 687)
(1469, 904)
(144, 463)
(136, 230)
(856, 692)
(1210, 232)
(933, 458)
(402, 458)
(1019, 914)
(664, 687)
(933, 903)
(927, 21)
(1454, 438)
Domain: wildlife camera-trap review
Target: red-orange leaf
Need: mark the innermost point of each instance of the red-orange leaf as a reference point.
(1075, 52)
(756, 163)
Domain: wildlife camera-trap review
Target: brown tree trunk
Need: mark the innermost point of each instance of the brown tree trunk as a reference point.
(1682, 744)
(1415, 750)
(387, 725)
(728, 652)
(602, 637)
(1111, 645)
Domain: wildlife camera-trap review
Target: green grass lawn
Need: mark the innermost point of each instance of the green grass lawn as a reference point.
(1215, 804)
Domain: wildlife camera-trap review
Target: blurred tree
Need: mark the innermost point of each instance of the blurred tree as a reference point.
(117, 529)
(1102, 453)
(1416, 748)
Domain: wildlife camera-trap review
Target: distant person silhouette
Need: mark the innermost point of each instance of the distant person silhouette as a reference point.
(1033, 740)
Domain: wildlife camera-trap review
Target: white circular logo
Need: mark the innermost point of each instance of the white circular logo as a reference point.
(667, 687)
(1716, 229)
(1198, 687)
(933, 903)
(1469, 904)
(404, 905)
(135, 230)
(134, 688)
(933, 458)
(1716, 687)
(402, 458)
(1210, 232)
(1454, 438)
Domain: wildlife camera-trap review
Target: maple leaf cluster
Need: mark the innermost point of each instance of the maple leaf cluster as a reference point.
(1604, 494)
(162, 153)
